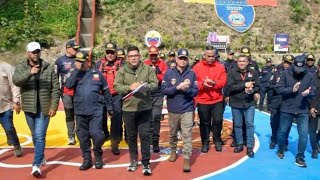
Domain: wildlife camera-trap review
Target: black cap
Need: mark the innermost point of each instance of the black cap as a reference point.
(230, 51)
(183, 53)
(110, 46)
(268, 60)
(72, 44)
(288, 58)
(310, 56)
(245, 51)
(82, 56)
(299, 64)
(162, 55)
(171, 53)
(121, 53)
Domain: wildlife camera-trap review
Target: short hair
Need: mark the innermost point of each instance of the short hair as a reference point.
(132, 48)
(209, 47)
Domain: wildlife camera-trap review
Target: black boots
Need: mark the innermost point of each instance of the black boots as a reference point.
(87, 164)
(205, 147)
(250, 152)
(238, 149)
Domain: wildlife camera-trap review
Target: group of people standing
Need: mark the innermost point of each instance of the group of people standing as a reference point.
(93, 94)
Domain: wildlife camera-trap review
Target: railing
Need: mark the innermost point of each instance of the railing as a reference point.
(89, 45)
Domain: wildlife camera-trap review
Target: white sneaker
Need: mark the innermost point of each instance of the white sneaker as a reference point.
(72, 141)
(36, 172)
(146, 170)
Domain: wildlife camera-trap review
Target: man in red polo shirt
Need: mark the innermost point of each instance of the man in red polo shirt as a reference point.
(211, 77)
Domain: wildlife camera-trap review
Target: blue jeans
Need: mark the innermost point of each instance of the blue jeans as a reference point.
(286, 120)
(6, 120)
(237, 115)
(38, 125)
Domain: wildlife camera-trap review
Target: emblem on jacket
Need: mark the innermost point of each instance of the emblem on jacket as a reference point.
(96, 77)
(173, 81)
(187, 81)
(249, 74)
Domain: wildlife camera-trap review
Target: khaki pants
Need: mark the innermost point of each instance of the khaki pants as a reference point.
(184, 123)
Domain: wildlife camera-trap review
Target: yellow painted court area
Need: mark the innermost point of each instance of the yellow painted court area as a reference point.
(56, 134)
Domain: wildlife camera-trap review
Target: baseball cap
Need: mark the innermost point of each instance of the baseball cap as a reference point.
(245, 51)
(82, 56)
(310, 56)
(183, 53)
(72, 44)
(32, 46)
(153, 50)
(121, 53)
(268, 60)
(171, 53)
(230, 51)
(288, 58)
(299, 64)
(162, 55)
(110, 46)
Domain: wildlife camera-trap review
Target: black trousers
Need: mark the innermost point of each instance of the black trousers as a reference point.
(211, 117)
(89, 127)
(138, 122)
(314, 136)
(157, 103)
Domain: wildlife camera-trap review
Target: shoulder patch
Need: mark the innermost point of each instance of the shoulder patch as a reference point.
(173, 81)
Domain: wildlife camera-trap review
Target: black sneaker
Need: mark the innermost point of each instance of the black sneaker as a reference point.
(272, 145)
(314, 154)
(301, 162)
(281, 154)
(17, 151)
(205, 148)
(156, 148)
(218, 147)
(146, 170)
(115, 151)
(133, 166)
(250, 152)
(238, 149)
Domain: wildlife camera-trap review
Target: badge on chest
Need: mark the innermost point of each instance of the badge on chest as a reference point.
(96, 77)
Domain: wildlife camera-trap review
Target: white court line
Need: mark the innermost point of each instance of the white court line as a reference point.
(29, 141)
(237, 163)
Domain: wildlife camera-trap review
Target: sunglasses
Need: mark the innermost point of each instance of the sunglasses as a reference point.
(110, 52)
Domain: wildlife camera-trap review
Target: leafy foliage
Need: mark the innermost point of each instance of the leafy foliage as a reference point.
(41, 20)
(300, 11)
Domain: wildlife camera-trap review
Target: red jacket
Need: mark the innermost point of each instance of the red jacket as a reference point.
(160, 68)
(214, 71)
(109, 72)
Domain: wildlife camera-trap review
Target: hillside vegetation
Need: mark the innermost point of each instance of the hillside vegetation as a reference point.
(52, 22)
(187, 25)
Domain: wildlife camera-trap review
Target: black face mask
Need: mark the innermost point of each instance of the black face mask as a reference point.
(298, 76)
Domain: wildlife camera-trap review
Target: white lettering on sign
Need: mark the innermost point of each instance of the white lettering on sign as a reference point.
(282, 39)
(234, 8)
